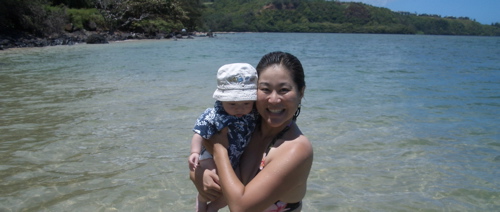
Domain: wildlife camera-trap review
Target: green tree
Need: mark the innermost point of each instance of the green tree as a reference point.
(32, 17)
(193, 9)
(149, 16)
(357, 13)
(74, 3)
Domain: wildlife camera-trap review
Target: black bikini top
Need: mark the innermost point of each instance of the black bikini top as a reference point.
(278, 136)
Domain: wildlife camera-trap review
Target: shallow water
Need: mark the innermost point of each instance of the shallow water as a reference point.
(398, 122)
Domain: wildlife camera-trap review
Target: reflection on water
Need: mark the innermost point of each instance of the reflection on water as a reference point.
(399, 123)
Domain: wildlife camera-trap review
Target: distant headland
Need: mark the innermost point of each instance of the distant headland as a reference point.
(65, 22)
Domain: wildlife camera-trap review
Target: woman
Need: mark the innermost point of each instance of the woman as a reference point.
(278, 159)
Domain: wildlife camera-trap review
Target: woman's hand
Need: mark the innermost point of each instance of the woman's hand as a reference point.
(211, 187)
(206, 180)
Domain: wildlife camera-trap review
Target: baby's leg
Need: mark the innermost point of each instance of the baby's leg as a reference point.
(201, 204)
(217, 204)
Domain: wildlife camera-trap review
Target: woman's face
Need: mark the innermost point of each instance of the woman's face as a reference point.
(277, 95)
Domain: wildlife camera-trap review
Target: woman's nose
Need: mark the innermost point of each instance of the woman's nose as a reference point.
(274, 97)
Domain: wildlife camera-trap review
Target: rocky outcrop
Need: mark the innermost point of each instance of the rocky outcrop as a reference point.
(96, 39)
(30, 41)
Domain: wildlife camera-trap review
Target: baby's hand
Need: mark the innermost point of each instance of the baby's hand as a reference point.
(193, 160)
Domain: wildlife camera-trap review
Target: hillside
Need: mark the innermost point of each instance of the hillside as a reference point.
(60, 22)
(331, 16)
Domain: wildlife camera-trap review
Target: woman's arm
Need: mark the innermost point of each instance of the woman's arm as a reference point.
(287, 167)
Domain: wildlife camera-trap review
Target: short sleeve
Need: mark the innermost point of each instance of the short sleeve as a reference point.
(205, 124)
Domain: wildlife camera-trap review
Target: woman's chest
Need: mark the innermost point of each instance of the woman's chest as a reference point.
(252, 158)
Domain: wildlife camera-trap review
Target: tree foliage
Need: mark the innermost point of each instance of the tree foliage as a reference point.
(148, 16)
(74, 3)
(47, 17)
(330, 16)
(44, 17)
(33, 17)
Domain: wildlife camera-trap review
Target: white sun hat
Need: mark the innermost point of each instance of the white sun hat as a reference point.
(236, 82)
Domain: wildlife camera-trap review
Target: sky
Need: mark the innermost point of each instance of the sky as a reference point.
(483, 11)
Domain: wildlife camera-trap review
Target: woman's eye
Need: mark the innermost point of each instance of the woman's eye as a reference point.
(284, 90)
(264, 90)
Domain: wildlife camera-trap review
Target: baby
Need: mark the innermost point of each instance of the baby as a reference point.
(236, 95)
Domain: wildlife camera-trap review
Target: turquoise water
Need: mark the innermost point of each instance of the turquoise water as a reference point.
(398, 122)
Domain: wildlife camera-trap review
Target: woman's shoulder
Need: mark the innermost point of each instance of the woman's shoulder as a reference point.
(299, 146)
(297, 140)
(296, 146)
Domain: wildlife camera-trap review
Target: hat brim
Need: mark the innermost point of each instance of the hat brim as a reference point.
(235, 95)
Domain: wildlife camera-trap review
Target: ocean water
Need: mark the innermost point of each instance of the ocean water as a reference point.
(398, 122)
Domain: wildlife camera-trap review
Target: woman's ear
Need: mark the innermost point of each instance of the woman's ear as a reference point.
(302, 92)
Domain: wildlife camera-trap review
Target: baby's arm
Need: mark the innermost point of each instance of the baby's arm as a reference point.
(196, 143)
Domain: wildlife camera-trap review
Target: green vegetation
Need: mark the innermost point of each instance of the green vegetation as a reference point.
(30, 17)
(331, 16)
(87, 19)
(149, 16)
(43, 18)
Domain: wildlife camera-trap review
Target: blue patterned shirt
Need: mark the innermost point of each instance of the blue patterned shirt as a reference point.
(239, 129)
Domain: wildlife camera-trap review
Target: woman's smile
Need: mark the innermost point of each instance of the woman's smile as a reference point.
(276, 111)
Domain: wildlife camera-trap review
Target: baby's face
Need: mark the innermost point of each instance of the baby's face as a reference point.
(238, 109)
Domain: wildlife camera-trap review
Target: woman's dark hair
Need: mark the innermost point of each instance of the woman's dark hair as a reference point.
(290, 62)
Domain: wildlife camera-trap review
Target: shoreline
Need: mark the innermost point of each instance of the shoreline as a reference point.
(84, 43)
(19, 40)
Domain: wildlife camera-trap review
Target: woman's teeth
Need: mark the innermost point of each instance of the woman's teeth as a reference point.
(275, 111)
